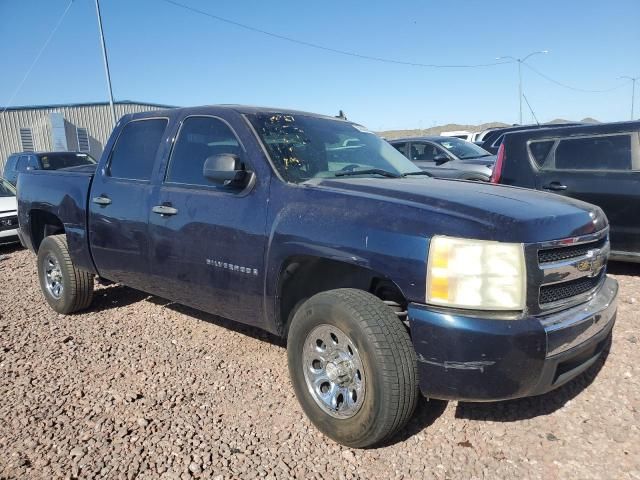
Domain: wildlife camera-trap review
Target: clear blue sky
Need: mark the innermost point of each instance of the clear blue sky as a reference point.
(161, 53)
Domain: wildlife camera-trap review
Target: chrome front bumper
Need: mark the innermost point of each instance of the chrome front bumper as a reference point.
(574, 326)
(472, 357)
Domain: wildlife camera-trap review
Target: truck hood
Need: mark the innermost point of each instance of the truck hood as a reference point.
(8, 204)
(503, 213)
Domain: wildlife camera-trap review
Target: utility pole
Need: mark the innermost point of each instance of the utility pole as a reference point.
(106, 64)
(633, 91)
(520, 61)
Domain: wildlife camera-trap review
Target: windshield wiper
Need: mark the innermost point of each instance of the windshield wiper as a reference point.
(477, 156)
(417, 173)
(368, 171)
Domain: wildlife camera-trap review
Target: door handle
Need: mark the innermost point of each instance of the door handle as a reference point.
(102, 200)
(555, 186)
(164, 210)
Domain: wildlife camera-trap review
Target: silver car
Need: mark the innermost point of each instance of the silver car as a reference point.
(447, 157)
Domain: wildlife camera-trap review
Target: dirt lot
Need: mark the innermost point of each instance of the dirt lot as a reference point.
(137, 387)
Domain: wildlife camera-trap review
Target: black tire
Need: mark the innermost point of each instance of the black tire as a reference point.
(77, 286)
(387, 356)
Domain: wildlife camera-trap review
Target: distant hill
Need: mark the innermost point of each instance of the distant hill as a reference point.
(391, 134)
(559, 120)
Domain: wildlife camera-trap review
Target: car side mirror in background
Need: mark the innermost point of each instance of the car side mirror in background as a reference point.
(225, 169)
(441, 158)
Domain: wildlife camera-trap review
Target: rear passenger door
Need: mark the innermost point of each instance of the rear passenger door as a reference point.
(119, 203)
(207, 249)
(603, 170)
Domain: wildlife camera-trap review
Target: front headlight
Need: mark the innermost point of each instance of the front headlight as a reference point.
(476, 274)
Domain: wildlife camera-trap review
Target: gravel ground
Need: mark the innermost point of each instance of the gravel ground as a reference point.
(137, 387)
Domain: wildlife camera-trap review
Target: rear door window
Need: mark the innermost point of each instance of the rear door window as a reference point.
(423, 152)
(540, 150)
(402, 148)
(22, 163)
(611, 152)
(135, 151)
(11, 164)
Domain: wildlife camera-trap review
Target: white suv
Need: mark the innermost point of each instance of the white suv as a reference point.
(8, 213)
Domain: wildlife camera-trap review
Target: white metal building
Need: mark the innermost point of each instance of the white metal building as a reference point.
(81, 127)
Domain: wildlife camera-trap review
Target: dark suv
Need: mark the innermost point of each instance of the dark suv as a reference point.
(599, 164)
(492, 140)
(21, 162)
(447, 157)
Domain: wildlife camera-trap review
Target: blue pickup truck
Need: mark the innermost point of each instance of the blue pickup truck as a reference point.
(385, 282)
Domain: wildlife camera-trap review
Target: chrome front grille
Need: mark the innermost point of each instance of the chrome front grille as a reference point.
(8, 223)
(565, 253)
(557, 292)
(567, 272)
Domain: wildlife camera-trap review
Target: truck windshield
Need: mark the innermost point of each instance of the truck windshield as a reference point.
(303, 147)
(6, 189)
(463, 149)
(58, 160)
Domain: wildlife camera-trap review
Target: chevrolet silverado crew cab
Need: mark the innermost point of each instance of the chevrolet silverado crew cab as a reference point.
(384, 281)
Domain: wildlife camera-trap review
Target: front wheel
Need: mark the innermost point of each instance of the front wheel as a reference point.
(65, 288)
(353, 367)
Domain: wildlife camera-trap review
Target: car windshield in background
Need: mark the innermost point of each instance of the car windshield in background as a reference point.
(6, 189)
(303, 147)
(58, 160)
(463, 149)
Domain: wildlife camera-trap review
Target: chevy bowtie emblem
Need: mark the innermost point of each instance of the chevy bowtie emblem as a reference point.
(584, 265)
(592, 265)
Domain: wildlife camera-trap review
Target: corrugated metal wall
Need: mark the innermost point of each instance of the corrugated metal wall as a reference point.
(96, 118)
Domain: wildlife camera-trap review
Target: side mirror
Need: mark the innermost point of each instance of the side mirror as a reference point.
(441, 158)
(224, 169)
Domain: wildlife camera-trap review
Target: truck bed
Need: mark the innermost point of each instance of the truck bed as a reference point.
(64, 195)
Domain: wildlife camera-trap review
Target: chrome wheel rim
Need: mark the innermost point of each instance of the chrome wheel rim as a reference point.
(333, 371)
(53, 276)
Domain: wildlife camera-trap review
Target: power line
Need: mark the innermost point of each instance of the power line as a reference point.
(374, 58)
(531, 109)
(322, 47)
(105, 59)
(35, 60)
(564, 85)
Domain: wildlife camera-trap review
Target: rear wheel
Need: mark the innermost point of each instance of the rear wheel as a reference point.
(65, 288)
(353, 367)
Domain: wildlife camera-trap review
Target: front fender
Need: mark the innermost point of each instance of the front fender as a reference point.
(307, 222)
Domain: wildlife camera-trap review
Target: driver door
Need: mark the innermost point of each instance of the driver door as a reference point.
(208, 240)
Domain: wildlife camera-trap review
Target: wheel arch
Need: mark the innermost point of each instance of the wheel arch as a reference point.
(302, 276)
(43, 224)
